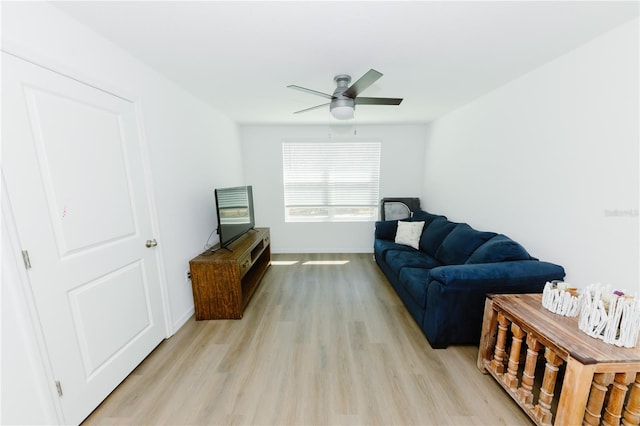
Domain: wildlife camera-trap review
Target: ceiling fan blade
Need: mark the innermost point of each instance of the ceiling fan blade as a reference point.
(313, 92)
(378, 101)
(309, 109)
(363, 82)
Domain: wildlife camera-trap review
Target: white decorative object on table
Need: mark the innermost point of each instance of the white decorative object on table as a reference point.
(558, 298)
(610, 315)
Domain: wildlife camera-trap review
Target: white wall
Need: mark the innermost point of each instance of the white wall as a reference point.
(547, 159)
(191, 147)
(400, 175)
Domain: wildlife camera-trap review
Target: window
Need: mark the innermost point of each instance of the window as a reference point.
(331, 181)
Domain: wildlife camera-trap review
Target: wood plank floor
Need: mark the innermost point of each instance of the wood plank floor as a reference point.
(324, 341)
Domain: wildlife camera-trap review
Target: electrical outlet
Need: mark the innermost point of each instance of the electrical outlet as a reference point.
(187, 275)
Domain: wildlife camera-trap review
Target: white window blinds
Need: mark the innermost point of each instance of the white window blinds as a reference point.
(331, 181)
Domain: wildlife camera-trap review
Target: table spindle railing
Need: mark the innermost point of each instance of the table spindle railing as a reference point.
(549, 384)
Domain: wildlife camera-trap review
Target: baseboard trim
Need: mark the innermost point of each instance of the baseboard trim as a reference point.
(177, 325)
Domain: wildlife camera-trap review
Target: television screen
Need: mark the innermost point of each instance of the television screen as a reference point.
(235, 212)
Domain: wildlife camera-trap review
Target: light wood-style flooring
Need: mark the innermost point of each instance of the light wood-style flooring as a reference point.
(324, 341)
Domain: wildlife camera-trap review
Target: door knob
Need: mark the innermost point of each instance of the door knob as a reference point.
(151, 243)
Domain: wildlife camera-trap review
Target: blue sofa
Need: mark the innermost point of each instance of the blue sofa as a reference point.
(443, 283)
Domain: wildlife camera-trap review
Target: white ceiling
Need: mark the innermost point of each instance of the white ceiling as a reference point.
(437, 55)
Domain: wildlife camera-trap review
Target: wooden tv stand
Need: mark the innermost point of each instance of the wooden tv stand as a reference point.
(223, 281)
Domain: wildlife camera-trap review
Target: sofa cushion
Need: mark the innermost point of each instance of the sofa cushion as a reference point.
(461, 242)
(386, 229)
(415, 281)
(423, 216)
(408, 233)
(499, 249)
(434, 234)
(398, 259)
(381, 247)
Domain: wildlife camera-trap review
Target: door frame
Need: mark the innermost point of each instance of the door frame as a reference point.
(13, 240)
(7, 212)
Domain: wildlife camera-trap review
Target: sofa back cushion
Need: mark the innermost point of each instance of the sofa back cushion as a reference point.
(461, 242)
(386, 229)
(423, 216)
(434, 233)
(499, 249)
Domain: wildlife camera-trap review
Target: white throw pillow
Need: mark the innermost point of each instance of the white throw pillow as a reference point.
(409, 233)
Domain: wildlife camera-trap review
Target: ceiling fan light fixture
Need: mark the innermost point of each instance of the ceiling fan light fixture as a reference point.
(345, 97)
(342, 112)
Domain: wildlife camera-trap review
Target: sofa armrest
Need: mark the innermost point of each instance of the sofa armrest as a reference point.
(456, 295)
(495, 276)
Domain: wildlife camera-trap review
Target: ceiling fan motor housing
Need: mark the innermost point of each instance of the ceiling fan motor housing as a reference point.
(340, 100)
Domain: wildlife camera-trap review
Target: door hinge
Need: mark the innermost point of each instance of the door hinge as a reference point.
(59, 387)
(25, 257)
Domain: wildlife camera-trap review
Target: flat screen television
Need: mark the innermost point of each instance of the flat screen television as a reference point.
(235, 212)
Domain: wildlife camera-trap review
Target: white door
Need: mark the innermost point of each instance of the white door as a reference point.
(74, 171)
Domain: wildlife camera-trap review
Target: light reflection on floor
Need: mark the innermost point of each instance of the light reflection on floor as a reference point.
(283, 262)
(308, 262)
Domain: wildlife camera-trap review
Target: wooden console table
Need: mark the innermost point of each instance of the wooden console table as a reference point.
(601, 382)
(223, 281)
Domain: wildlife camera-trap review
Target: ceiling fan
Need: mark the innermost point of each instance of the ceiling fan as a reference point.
(345, 97)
